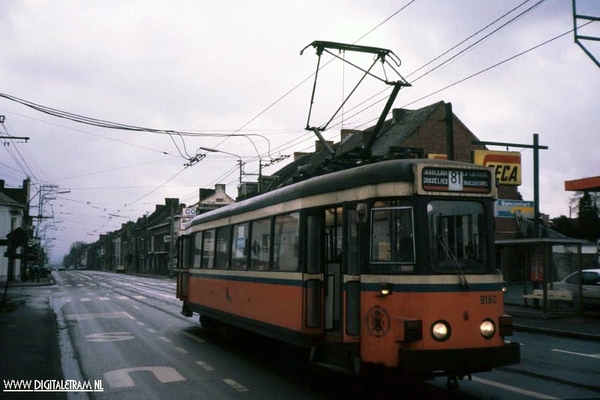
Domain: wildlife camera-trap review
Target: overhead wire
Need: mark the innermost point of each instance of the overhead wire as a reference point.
(183, 152)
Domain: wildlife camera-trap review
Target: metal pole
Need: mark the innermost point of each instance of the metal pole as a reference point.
(449, 132)
(536, 186)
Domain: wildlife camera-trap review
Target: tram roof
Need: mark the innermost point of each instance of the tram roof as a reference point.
(400, 170)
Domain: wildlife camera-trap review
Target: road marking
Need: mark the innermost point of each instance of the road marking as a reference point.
(205, 366)
(80, 284)
(181, 350)
(136, 307)
(236, 385)
(104, 298)
(150, 330)
(141, 323)
(196, 338)
(88, 316)
(577, 354)
(121, 377)
(165, 339)
(139, 297)
(109, 337)
(524, 392)
(123, 298)
(86, 299)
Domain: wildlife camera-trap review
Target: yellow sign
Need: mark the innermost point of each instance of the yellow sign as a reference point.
(506, 164)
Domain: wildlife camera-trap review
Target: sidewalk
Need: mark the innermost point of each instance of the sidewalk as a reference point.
(586, 326)
(29, 348)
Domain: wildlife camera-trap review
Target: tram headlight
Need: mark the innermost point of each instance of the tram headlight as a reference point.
(487, 329)
(440, 331)
(385, 289)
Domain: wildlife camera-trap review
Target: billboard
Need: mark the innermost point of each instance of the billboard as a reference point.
(506, 164)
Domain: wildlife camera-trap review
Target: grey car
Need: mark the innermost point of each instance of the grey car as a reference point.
(590, 285)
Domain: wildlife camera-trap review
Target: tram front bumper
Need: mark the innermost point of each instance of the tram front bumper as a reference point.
(459, 360)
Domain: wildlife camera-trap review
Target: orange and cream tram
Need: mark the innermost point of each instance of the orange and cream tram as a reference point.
(387, 266)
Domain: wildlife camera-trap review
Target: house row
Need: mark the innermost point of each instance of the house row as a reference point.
(148, 245)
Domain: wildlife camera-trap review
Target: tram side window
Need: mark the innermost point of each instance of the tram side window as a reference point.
(333, 234)
(260, 247)
(392, 240)
(223, 247)
(286, 242)
(239, 245)
(197, 250)
(208, 249)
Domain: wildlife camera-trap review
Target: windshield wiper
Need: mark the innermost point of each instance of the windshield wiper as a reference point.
(450, 254)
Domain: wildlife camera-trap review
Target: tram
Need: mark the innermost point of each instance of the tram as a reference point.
(382, 267)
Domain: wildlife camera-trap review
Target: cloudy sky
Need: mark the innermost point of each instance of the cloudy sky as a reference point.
(229, 76)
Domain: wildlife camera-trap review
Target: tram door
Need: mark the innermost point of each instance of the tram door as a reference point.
(333, 269)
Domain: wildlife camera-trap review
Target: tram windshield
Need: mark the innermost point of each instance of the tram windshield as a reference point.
(457, 237)
(392, 240)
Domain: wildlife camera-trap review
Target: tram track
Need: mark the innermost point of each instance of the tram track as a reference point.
(548, 378)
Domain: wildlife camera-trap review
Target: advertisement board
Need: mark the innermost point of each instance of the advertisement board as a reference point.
(506, 164)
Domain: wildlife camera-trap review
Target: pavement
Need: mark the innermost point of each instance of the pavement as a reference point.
(29, 347)
(29, 334)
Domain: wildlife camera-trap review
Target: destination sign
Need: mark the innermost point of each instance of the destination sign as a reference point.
(437, 179)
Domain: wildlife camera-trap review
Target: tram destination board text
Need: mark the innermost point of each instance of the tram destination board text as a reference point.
(436, 179)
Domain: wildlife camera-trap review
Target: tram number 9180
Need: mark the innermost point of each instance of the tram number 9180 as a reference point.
(487, 299)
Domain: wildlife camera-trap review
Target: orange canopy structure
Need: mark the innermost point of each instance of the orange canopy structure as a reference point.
(583, 185)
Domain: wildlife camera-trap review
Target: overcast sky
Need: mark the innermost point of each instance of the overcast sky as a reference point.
(219, 68)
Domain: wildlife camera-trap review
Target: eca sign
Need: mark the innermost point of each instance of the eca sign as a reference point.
(506, 164)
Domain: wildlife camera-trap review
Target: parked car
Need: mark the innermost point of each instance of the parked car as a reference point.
(120, 269)
(590, 286)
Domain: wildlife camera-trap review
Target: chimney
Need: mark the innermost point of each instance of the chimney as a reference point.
(346, 133)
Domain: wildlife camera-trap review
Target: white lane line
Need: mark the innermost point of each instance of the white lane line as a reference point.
(205, 366)
(136, 307)
(524, 392)
(129, 315)
(165, 339)
(139, 297)
(85, 299)
(577, 354)
(123, 298)
(150, 330)
(181, 350)
(141, 323)
(236, 385)
(88, 316)
(104, 298)
(196, 338)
